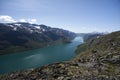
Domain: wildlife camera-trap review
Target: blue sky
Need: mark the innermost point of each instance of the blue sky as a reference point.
(74, 15)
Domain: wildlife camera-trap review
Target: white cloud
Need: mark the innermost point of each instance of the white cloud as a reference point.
(22, 20)
(32, 21)
(6, 18)
(9, 19)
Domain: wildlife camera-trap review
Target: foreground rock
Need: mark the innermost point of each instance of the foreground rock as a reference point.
(99, 61)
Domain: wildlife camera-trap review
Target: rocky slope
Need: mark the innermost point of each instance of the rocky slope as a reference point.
(16, 37)
(100, 60)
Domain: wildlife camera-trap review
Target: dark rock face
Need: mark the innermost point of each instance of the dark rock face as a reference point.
(24, 36)
(98, 62)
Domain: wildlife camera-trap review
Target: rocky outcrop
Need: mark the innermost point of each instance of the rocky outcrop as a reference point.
(101, 56)
(101, 61)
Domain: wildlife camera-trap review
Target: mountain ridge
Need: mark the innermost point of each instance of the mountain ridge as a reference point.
(17, 37)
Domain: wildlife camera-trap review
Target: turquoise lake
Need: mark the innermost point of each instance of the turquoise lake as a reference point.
(39, 57)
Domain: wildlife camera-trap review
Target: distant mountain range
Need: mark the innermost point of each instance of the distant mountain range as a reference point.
(19, 36)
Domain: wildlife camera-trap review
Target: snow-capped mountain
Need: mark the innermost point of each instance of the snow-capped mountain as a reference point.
(24, 36)
(31, 28)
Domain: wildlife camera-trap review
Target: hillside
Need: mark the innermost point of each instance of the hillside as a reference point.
(88, 39)
(15, 37)
(100, 60)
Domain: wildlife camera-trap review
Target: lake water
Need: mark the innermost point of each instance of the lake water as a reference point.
(38, 57)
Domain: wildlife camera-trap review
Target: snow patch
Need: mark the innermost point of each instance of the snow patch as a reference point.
(38, 27)
(15, 28)
(11, 26)
(31, 31)
(17, 24)
(43, 30)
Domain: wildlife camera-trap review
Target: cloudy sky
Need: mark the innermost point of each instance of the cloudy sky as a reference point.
(74, 15)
